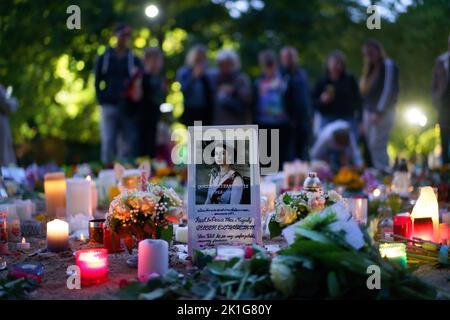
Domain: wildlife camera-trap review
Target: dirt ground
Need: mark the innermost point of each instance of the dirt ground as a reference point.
(54, 286)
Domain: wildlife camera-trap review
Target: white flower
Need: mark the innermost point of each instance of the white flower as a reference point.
(334, 196)
(282, 276)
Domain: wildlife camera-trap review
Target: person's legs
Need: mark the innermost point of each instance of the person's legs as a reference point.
(130, 137)
(109, 128)
(378, 136)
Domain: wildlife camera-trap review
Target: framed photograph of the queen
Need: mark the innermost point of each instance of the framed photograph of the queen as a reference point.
(223, 186)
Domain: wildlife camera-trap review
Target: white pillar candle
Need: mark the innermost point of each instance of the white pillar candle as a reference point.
(230, 252)
(24, 245)
(181, 234)
(57, 235)
(24, 209)
(153, 257)
(106, 180)
(94, 194)
(55, 194)
(78, 197)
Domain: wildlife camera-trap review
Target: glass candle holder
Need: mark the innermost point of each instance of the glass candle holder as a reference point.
(93, 264)
(96, 230)
(403, 225)
(423, 229)
(394, 252)
(111, 241)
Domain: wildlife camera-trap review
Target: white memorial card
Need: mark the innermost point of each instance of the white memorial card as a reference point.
(223, 187)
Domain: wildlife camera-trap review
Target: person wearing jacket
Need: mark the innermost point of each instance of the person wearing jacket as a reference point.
(336, 95)
(197, 88)
(8, 105)
(297, 99)
(233, 91)
(379, 87)
(440, 91)
(113, 73)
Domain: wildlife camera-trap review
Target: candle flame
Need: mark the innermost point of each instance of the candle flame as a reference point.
(376, 192)
(88, 178)
(23, 240)
(82, 236)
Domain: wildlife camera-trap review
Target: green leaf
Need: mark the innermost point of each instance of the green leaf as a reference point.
(333, 285)
(153, 295)
(274, 229)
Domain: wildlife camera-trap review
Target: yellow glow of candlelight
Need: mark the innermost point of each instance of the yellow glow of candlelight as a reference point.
(392, 250)
(23, 240)
(427, 207)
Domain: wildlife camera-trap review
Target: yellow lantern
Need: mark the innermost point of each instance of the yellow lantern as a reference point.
(425, 215)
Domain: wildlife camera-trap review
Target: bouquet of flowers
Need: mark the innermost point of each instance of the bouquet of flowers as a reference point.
(328, 257)
(349, 178)
(147, 213)
(291, 207)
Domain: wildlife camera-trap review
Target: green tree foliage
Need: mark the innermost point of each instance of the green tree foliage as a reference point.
(50, 67)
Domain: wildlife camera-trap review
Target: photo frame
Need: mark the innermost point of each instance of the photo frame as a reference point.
(223, 187)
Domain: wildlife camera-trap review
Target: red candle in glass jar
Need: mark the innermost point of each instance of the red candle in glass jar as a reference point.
(93, 264)
(423, 229)
(111, 242)
(403, 225)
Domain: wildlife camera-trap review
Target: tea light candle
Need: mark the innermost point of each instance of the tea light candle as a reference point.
(153, 257)
(55, 194)
(79, 198)
(181, 234)
(57, 235)
(230, 252)
(394, 252)
(24, 245)
(93, 264)
(403, 225)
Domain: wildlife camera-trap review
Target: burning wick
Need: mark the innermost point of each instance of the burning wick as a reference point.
(24, 245)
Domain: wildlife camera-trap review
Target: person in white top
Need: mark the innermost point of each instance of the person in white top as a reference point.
(337, 145)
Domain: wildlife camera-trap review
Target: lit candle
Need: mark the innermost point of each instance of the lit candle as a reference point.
(24, 245)
(403, 225)
(3, 232)
(93, 264)
(94, 194)
(358, 209)
(181, 234)
(153, 257)
(269, 190)
(229, 252)
(106, 180)
(425, 216)
(55, 194)
(394, 252)
(445, 233)
(79, 197)
(57, 235)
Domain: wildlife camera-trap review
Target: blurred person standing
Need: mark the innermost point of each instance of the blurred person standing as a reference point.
(151, 89)
(113, 73)
(233, 91)
(197, 88)
(8, 105)
(297, 99)
(379, 87)
(270, 109)
(440, 91)
(336, 95)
